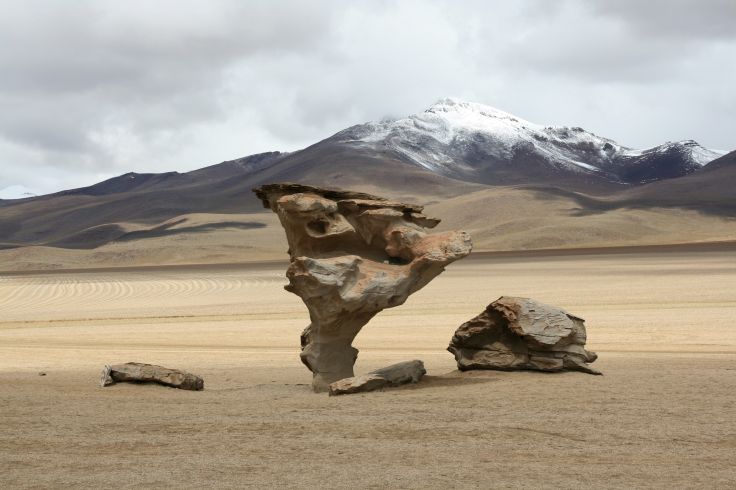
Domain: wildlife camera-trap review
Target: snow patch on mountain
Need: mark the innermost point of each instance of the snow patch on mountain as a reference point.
(452, 136)
(698, 154)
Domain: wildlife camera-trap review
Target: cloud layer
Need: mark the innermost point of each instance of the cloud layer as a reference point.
(91, 89)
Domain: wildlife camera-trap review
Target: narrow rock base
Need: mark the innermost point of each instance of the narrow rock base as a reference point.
(136, 372)
(394, 375)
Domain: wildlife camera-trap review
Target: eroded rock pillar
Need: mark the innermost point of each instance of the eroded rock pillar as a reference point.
(353, 255)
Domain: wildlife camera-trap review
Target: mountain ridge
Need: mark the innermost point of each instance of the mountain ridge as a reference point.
(142, 204)
(470, 141)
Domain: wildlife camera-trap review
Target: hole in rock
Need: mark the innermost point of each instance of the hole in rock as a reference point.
(318, 225)
(397, 261)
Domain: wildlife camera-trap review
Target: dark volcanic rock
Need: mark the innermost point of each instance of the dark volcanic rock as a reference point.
(521, 333)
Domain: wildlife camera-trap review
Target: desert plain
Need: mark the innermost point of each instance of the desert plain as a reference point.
(663, 415)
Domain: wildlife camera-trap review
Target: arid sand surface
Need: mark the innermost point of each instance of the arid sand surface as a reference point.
(662, 416)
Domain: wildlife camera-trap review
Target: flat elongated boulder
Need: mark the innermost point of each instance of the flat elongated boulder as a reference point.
(352, 255)
(521, 333)
(136, 372)
(394, 375)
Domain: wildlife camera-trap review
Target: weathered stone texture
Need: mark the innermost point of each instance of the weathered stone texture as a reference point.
(394, 375)
(521, 333)
(353, 255)
(136, 372)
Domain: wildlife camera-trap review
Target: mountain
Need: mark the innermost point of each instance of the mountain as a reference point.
(137, 182)
(497, 173)
(478, 143)
(727, 161)
(711, 190)
(69, 218)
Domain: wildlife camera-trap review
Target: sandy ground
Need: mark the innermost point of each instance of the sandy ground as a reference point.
(662, 416)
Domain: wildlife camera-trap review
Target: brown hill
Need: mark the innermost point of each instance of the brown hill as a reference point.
(93, 213)
(211, 215)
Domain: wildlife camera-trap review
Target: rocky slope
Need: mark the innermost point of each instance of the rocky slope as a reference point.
(478, 143)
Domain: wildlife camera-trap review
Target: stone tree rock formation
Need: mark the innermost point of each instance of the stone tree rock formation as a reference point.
(352, 255)
(521, 333)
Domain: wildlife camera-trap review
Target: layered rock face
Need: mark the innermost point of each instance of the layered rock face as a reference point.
(521, 333)
(352, 255)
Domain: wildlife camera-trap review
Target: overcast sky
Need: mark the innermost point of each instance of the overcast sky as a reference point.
(93, 89)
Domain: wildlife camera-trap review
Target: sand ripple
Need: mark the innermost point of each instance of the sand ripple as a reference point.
(78, 295)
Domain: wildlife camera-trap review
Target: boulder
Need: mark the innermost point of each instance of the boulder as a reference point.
(394, 375)
(352, 255)
(521, 333)
(136, 372)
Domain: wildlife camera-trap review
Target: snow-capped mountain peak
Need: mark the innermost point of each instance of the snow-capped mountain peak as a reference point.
(700, 155)
(471, 115)
(456, 138)
(445, 120)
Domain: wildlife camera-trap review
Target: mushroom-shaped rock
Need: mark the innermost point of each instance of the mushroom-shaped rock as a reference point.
(352, 255)
(521, 333)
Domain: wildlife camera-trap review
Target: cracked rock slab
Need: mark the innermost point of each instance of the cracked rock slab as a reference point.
(521, 333)
(394, 375)
(136, 372)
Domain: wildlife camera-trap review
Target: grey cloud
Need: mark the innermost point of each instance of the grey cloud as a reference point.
(94, 88)
(75, 70)
(91, 45)
(621, 41)
(678, 20)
